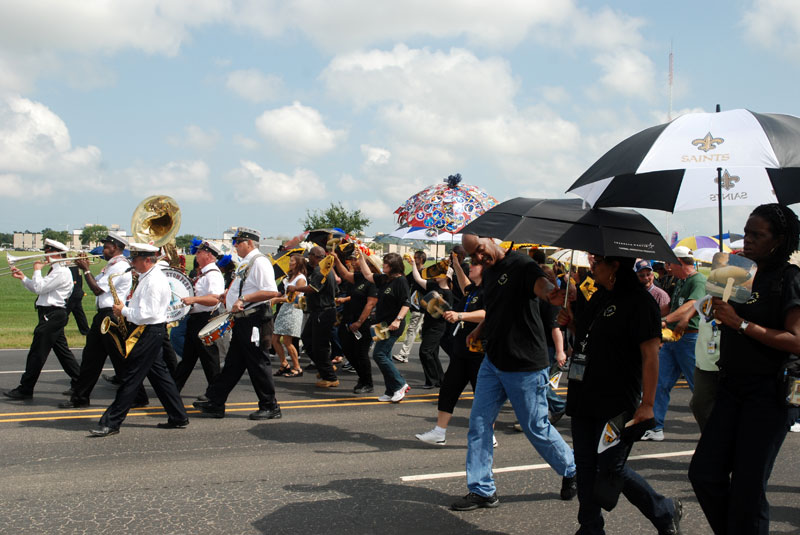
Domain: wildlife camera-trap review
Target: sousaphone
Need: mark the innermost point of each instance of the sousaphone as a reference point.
(157, 220)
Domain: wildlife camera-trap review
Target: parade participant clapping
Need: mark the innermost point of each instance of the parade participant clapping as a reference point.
(53, 291)
(146, 314)
(246, 298)
(613, 376)
(734, 458)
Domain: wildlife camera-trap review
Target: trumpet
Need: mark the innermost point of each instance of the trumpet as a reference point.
(23, 262)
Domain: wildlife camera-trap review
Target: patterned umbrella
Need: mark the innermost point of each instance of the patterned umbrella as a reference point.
(446, 207)
(702, 242)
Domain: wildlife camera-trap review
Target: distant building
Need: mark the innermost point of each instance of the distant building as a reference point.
(28, 241)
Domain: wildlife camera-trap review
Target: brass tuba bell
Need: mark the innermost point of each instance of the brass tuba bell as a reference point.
(157, 220)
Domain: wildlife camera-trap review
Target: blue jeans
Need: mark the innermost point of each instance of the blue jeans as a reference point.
(674, 358)
(382, 355)
(585, 436)
(527, 392)
(554, 402)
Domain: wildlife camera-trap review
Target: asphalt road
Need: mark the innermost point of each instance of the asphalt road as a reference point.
(335, 463)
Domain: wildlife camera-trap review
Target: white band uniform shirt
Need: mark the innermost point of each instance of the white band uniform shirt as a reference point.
(260, 277)
(53, 289)
(149, 302)
(117, 266)
(209, 282)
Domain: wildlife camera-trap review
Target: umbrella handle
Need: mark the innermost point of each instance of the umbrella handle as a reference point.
(726, 293)
(568, 278)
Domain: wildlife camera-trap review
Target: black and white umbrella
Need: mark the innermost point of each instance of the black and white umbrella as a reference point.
(570, 223)
(700, 160)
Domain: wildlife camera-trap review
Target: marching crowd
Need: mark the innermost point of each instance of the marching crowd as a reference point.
(499, 315)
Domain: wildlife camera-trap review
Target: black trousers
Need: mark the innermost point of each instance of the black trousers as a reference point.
(48, 334)
(736, 452)
(245, 355)
(429, 354)
(317, 341)
(146, 360)
(75, 307)
(460, 372)
(357, 352)
(170, 357)
(98, 347)
(194, 348)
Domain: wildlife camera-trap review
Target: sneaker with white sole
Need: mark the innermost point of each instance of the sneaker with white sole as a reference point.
(656, 435)
(795, 427)
(494, 441)
(400, 394)
(433, 437)
(385, 397)
(400, 358)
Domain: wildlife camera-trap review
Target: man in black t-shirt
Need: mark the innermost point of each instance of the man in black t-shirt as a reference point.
(417, 317)
(515, 368)
(320, 295)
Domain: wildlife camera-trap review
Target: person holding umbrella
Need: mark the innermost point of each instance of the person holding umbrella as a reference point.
(515, 368)
(737, 449)
(614, 373)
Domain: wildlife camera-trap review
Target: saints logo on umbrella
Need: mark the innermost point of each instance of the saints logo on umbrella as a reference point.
(728, 180)
(708, 143)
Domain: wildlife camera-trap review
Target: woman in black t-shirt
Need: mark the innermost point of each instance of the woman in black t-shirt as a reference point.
(392, 307)
(432, 328)
(734, 458)
(464, 364)
(362, 296)
(619, 333)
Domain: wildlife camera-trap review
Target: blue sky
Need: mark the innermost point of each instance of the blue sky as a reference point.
(251, 112)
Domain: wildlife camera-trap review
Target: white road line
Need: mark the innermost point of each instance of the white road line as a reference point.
(48, 371)
(529, 467)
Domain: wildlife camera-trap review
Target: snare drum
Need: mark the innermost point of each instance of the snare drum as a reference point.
(215, 329)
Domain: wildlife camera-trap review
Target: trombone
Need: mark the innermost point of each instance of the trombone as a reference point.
(24, 262)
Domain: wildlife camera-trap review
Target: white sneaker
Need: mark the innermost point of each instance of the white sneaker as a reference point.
(400, 394)
(400, 358)
(385, 397)
(433, 437)
(795, 427)
(494, 441)
(652, 434)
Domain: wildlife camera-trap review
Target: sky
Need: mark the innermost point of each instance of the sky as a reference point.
(251, 112)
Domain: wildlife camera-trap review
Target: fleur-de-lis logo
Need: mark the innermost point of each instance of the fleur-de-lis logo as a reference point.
(728, 180)
(708, 143)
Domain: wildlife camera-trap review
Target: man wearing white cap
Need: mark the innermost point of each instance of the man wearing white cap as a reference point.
(98, 345)
(678, 357)
(146, 313)
(253, 286)
(207, 288)
(53, 289)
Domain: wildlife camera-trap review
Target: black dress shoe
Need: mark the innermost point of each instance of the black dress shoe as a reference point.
(17, 394)
(68, 392)
(112, 379)
(270, 414)
(103, 431)
(72, 404)
(202, 397)
(172, 424)
(141, 405)
(211, 409)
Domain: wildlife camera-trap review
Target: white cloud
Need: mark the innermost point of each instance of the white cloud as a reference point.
(196, 138)
(253, 85)
(375, 156)
(774, 24)
(299, 130)
(182, 179)
(628, 72)
(254, 184)
(375, 209)
(348, 184)
(11, 186)
(245, 142)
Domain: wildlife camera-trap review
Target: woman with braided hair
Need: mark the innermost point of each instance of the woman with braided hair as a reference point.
(734, 458)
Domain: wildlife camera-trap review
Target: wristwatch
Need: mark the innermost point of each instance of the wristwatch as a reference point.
(743, 326)
(460, 316)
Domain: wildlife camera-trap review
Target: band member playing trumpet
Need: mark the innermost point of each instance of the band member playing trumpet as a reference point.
(320, 295)
(146, 314)
(207, 288)
(99, 345)
(252, 329)
(53, 290)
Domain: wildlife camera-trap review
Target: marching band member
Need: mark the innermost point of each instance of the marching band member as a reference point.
(146, 312)
(321, 304)
(99, 346)
(53, 290)
(207, 288)
(254, 284)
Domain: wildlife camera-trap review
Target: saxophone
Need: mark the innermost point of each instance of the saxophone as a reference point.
(121, 326)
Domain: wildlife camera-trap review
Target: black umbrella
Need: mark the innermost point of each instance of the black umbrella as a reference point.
(570, 223)
(322, 236)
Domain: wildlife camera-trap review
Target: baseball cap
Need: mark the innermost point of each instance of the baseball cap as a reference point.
(681, 251)
(642, 264)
